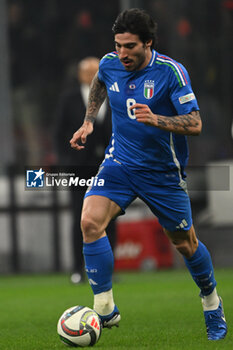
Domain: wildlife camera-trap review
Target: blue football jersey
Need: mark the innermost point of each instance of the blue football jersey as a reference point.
(163, 85)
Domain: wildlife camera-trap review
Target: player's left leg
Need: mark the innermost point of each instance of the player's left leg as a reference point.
(171, 204)
(199, 263)
(168, 199)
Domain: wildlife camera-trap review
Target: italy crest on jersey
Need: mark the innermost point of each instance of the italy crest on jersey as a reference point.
(149, 89)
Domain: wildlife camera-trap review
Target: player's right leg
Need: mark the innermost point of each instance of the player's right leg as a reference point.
(101, 204)
(96, 214)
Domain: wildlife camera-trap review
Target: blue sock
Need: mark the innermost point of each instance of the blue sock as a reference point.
(201, 268)
(99, 263)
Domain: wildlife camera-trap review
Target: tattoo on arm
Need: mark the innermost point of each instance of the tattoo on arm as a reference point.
(90, 118)
(187, 124)
(96, 97)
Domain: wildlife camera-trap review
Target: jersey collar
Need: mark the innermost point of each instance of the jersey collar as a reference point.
(152, 58)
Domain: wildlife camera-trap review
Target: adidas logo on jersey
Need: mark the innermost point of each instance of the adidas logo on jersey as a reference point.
(114, 87)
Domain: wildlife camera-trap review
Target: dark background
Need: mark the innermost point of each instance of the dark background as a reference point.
(47, 38)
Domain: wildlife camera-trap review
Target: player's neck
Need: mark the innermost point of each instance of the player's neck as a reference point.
(148, 58)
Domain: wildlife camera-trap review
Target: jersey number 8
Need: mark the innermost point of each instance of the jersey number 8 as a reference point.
(129, 103)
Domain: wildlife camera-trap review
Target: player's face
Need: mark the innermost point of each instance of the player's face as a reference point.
(133, 53)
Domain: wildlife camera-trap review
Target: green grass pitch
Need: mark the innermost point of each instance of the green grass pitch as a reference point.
(160, 311)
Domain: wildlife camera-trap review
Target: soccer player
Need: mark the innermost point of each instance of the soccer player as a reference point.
(153, 109)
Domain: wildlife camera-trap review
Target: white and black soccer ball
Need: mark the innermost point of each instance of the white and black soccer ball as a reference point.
(79, 326)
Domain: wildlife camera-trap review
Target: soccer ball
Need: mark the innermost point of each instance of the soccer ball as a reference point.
(79, 326)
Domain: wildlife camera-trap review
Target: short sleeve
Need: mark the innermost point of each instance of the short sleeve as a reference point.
(100, 73)
(181, 93)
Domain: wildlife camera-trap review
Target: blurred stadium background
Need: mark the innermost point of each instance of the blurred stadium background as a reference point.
(40, 45)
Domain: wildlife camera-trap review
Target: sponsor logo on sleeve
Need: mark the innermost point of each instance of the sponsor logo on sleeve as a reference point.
(187, 98)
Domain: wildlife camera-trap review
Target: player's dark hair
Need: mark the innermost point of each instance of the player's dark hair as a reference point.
(139, 22)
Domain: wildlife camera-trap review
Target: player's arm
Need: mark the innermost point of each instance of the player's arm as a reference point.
(186, 124)
(96, 97)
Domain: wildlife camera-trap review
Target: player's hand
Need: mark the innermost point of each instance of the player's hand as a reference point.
(144, 114)
(80, 136)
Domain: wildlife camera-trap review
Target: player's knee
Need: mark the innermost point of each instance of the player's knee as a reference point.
(90, 228)
(185, 242)
(184, 247)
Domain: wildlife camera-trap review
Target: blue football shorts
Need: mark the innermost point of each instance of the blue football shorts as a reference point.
(161, 191)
